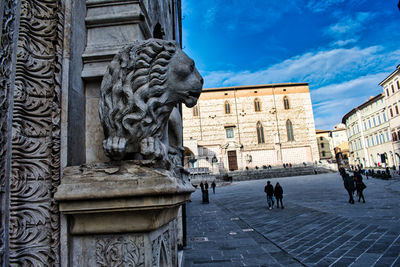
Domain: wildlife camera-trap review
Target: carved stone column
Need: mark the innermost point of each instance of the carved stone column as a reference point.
(122, 215)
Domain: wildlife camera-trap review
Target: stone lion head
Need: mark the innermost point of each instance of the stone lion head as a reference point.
(142, 85)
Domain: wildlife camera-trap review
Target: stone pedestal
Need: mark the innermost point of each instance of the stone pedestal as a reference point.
(121, 215)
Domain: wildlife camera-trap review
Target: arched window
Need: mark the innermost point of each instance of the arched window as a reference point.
(227, 107)
(286, 102)
(289, 129)
(257, 105)
(260, 133)
(196, 111)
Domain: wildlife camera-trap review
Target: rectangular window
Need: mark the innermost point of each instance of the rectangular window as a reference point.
(361, 145)
(229, 132)
(372, 140)
(387, 92)
(396, 109)
(322, 145)
(374, 121)
(392, 88)
(384, 116)
(398, 85)
(367, 141)
(379, 119)
(358, 128)
(391, 112)
(365, 125)
(387, 137)
(369, 123)
(377, 139)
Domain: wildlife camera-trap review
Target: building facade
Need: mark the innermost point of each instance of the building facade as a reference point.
(324, 141)
(391, 90)
(368, 134)
(250, 126)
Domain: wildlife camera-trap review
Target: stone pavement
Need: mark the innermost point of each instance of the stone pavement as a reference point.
(317, 227)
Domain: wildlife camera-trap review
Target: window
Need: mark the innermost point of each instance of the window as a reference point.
(229, 132)
(394, 136)
(374, 121)
(372, 140)
(379, 119)
(387, 137)
(289, 129)
(367, 141)
(361, 144)
(392, 88)
(321, 138)
(322, 145)
(323, 153)
(260, 133)
(377, 139)
(358, 128)
(257, 105)
(384, 116)
(396, 109)
(387, 92)
(365, 125)
(286, 102)
(195, 111)
(227, 107)
(369, 123)
(391, 112)
(398, 85)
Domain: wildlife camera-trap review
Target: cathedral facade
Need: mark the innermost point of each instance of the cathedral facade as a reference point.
(255, 126)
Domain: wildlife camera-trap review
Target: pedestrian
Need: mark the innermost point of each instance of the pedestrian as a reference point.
(203, 194)
(360, 186)
(349, 186)
(278, 195)
(342, 172)
(269, 190)
(206, 192)
(213, 185)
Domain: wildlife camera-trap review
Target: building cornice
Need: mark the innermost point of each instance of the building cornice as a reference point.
(366, 103)
(390, 75)
(259, 86)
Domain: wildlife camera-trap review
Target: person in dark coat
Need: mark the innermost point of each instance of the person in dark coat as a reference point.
(203, 196)
(360, 186)
(349, 185)
(342, 172)
(213, 185)
(269, 190)
(206, 192)
(278, 195)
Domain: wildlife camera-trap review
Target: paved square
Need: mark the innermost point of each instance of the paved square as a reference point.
(318, 227)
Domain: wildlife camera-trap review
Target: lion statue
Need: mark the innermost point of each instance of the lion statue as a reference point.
(139, 103)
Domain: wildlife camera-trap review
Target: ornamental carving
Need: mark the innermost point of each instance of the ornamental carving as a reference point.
(161, 242)
(120, 252)
(33, 223)
(140, 93)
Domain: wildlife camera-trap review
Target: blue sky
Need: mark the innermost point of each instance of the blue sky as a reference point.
(342, 48)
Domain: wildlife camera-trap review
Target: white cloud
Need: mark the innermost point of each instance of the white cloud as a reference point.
(316, 68)
(322, 5)
(344, 42)
(210, 15)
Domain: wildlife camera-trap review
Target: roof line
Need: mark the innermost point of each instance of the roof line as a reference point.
(255, 86)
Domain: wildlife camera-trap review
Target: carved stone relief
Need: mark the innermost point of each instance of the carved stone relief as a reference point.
(120, 251)
(163, 240)
(8, 23)
(35, 150)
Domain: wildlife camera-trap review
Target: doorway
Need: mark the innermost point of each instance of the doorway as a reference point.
(232, 160)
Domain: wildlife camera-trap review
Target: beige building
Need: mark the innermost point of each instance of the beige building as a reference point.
(369, 134)
(340, 144)
(391, 90)
(250, 126)
(324, 141)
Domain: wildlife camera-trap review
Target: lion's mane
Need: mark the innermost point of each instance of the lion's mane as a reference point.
(133, 94)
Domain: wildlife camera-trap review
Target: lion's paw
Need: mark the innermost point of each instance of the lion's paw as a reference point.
(152, 148)
(115, 147)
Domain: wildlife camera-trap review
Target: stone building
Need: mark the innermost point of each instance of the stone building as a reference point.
(324, 141)
(391, 90)
(340, 144)
(53, 57)
(368, 134)
(251, 126)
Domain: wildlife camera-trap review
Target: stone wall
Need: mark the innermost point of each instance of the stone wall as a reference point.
(208, 129)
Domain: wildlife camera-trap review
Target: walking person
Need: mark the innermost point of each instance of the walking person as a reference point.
(269, 190)
(360, 186)
(278, 195)
(349, 186)
(202, 192)
(213, 185)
